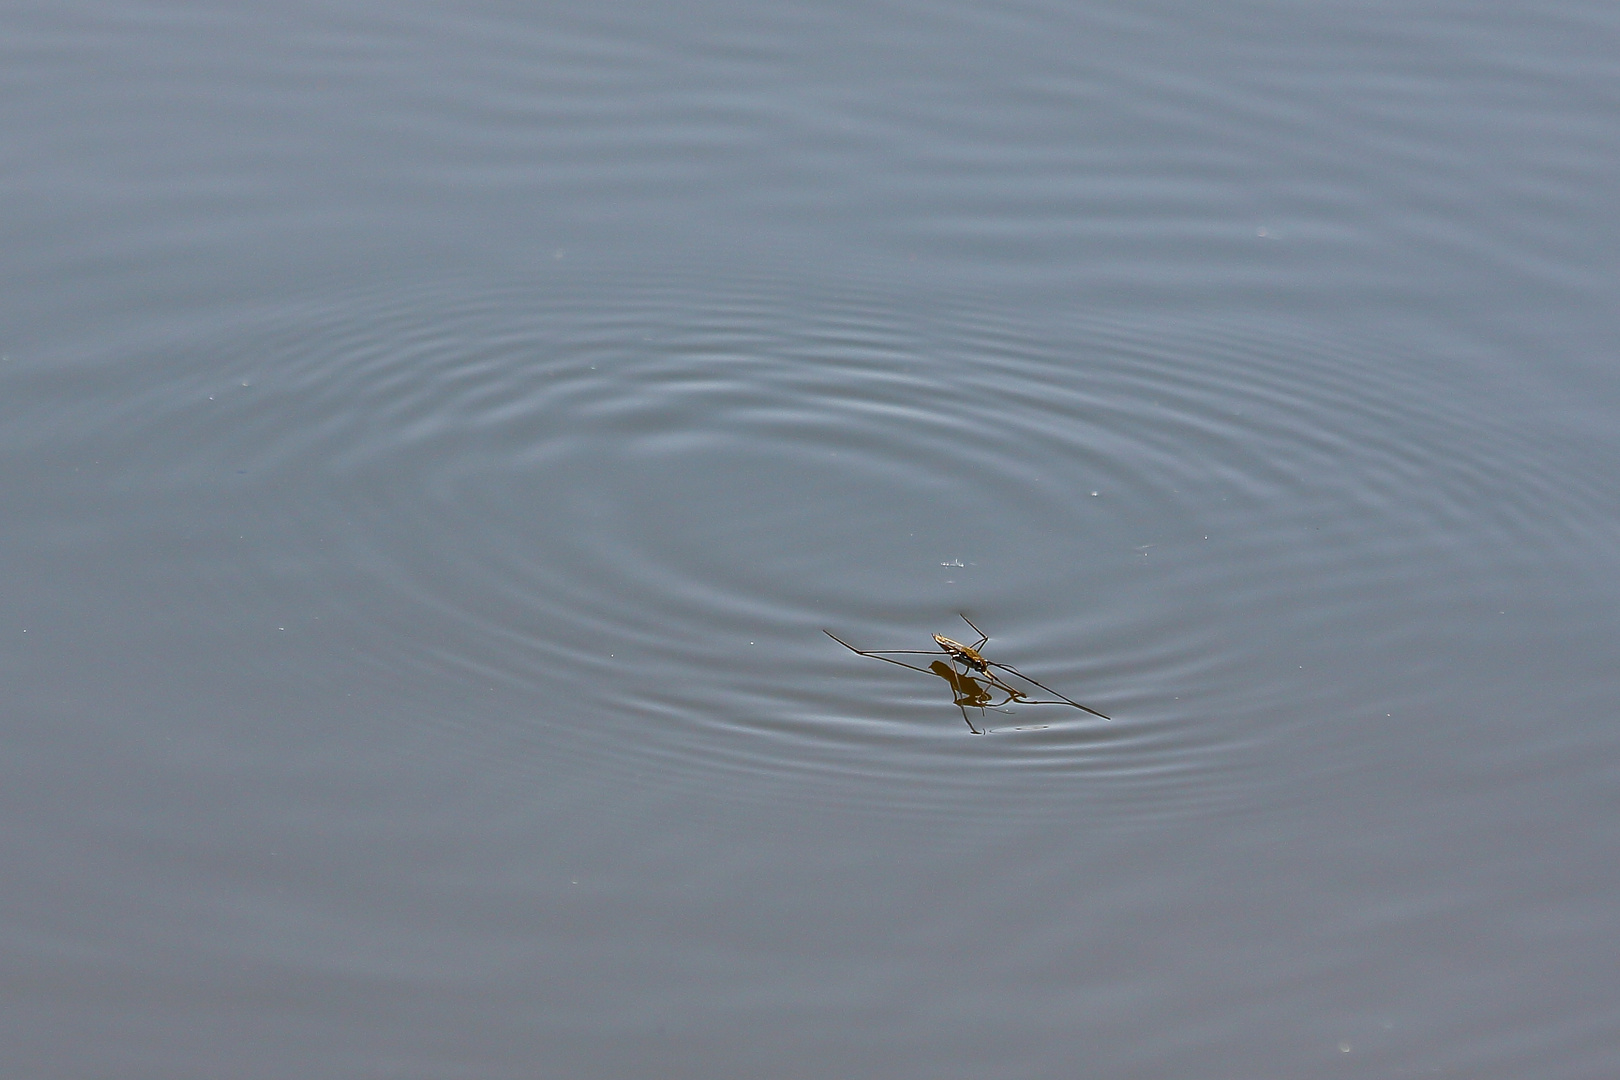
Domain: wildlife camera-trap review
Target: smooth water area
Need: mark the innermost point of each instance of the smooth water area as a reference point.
(438, 439)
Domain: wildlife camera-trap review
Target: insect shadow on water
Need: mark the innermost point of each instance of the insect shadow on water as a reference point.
(967, 690)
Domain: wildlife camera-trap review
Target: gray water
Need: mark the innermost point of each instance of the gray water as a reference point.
(436, 438)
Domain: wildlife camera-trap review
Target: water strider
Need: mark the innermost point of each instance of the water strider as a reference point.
(968, 690)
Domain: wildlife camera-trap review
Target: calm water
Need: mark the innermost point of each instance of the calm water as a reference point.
(436, 438)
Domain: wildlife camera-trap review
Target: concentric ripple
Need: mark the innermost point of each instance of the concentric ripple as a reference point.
(638, 506)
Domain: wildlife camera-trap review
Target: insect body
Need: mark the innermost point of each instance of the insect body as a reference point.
(969, 691)
(965, 654)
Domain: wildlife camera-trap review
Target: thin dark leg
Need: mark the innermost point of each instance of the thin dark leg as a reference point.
(1049, 690)
(1014, 695)
(880, 652)
(983, 637)
(875, 656)
(956, 691)
(959, 696)
(892, 652)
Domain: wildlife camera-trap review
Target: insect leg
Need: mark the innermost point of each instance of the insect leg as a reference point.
(876, 656)
(1049, 690)
(983, 637)
(960, 695)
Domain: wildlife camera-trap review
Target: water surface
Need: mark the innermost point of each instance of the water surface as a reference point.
(437, 439)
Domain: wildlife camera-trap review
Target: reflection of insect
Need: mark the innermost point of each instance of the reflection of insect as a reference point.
(966, 689)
